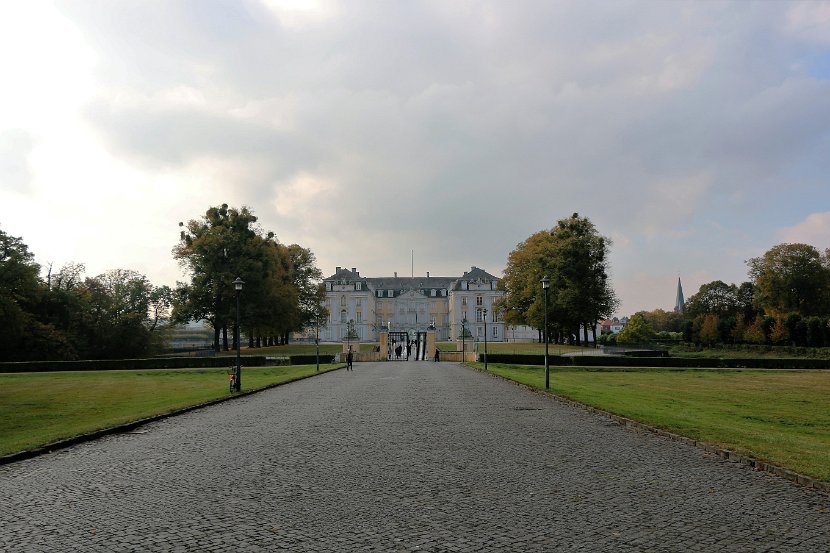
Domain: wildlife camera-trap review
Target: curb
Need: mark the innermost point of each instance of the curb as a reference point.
(121, 428)
(725, 454)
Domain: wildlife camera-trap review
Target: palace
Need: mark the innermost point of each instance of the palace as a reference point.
(412, 304)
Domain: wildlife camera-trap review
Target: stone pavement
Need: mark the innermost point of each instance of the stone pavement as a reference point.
(410, 456)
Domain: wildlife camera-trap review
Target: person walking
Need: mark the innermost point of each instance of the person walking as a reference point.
(349, 359)
(435, 359)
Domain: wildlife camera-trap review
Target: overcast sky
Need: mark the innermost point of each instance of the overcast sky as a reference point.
(694, 134)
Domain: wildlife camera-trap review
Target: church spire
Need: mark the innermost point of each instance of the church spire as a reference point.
(679, 303)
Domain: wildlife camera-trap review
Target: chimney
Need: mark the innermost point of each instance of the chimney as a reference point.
(396, 274)
(427, 274)
(354, 270)
(337, 271)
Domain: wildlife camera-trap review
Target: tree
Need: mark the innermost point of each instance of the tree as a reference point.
(636, 331)
(792, 278)
(708, 333)
(575, 258)
(717, 298)
(211, 249)
(280, 281)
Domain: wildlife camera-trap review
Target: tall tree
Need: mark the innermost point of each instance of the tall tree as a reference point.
(575, 258)
(792, 278)
(280, 281)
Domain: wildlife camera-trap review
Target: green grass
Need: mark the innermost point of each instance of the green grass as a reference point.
(40, 408)
(779, 416)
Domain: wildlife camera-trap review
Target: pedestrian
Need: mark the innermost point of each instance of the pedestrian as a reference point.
(435, 359)
(349, 359)
(408, 350)
(398, 352)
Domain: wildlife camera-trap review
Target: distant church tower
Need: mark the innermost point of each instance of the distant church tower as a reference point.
(679, 303)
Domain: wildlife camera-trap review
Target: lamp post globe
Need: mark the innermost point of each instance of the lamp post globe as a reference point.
(237, 285)
(545, 285)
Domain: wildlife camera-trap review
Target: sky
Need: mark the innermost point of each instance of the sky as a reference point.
(695, 135)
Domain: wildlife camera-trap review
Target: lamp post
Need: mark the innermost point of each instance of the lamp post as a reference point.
(237, 284)
(317, 341)
(463, 336)
(545, 285)
(485, 338)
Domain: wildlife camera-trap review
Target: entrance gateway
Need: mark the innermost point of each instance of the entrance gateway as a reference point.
(416, 339)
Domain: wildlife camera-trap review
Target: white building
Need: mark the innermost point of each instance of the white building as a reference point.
(413, 304)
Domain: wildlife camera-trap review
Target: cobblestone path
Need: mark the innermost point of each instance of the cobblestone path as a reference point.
(399, 457)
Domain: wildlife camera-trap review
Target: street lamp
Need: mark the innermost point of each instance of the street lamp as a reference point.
(485, 338)
(463, 336)
(317, 341)
(545, 285)
(237, 285)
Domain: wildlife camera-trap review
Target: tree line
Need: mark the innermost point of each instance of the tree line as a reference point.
(786, 301)
(65, 315)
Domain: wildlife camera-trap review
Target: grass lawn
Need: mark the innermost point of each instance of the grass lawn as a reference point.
(779, 416)
(40, 408)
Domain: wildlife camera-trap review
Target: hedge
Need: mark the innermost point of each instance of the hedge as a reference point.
(131, 364)
(311, 359)
(657, 362)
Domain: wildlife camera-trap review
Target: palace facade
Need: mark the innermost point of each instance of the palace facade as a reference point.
(412, 304)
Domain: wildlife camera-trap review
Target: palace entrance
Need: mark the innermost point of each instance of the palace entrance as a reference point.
(416, 340)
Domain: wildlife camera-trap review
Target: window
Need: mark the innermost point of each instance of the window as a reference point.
(380, 293)
(358, 303)
(390, 293)
(464, 301)
(479, 315)
(343, 316)
(358, 286)
(359, 316)
(479, 300)
(495, 331)
(328, 287)
(432, 293)
(479, 331)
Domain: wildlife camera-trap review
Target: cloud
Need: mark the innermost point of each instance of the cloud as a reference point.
(814, 230)
(15, 147)
(366, 130)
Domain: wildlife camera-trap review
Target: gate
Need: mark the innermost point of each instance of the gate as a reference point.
(401, 340)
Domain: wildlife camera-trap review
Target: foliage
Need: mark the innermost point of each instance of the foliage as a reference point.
(792, 278)
(575, 258)
(636, 331)
(68, 317)
(281, 291)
